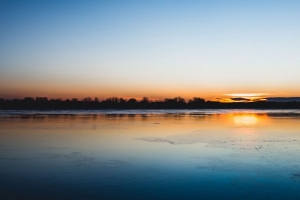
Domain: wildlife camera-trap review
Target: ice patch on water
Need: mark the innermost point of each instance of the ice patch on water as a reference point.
(156, 139)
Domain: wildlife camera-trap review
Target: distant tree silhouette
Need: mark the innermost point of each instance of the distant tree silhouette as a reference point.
(196, 100)
(41, 99)
(145, 103)
(132, 101)
(87, 99)
(28, 99)
(123, 101)
(179, 100)
(176, 102)
(145, 100)
(113, 100)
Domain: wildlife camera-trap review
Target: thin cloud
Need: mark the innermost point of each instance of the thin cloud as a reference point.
(239, 99)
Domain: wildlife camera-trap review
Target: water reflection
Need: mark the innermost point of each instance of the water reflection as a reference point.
(198, 155)
(245, 119)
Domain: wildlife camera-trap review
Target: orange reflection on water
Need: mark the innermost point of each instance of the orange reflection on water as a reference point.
(245, 120)
(248, 119)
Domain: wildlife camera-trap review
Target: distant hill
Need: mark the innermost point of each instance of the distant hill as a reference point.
(283, 99)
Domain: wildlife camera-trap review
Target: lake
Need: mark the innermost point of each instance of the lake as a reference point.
(150, 154)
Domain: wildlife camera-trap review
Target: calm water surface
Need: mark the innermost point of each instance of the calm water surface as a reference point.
(212, 154)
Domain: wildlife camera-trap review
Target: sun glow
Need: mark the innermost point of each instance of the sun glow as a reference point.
(242, 97)
(246, 94)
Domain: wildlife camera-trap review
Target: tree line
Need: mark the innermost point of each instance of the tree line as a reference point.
(43, 103)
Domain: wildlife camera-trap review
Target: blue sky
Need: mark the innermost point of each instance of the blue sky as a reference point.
(149, 48)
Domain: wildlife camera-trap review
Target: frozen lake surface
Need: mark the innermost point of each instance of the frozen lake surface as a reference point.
(150, 154)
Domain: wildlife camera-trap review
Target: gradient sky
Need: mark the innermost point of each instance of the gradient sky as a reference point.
(149, 48)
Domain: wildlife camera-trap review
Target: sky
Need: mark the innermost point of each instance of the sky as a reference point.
(158, 49)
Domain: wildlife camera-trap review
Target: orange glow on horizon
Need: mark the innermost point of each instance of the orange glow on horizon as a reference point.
(67, 90)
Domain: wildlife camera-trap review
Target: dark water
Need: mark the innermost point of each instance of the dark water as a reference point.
(212, 154)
